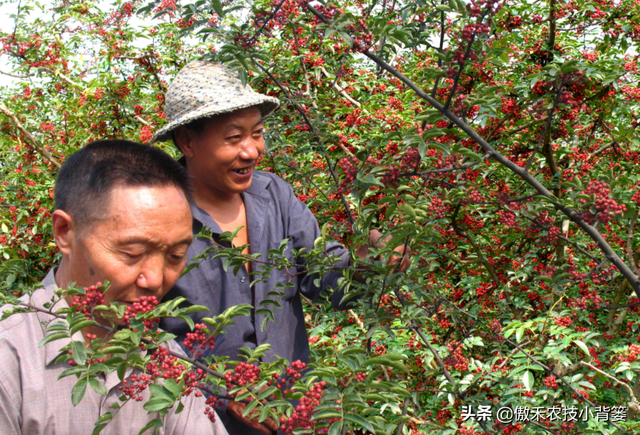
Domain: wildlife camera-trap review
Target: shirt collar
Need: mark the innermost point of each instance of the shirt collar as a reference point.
(253, 197)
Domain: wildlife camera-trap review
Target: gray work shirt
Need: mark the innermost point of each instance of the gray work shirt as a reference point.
(273, 213)
(34, 401)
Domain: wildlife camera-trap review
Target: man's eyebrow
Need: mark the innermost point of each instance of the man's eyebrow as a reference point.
(236, 125)
(133, 240)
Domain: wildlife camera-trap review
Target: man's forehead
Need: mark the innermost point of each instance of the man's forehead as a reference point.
(132, 202)
(228, 119)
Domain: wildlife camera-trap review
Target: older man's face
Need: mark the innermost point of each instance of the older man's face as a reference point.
(140, 246)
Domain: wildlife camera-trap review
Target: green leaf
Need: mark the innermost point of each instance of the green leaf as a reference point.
(98, 386)
(80, 325)
(354, 418)
(156, 404)
(250, 407)
(77, 393)
(53, 337)
(173, 387)
(266, 393)
(156, 423)
(381, 360)
(217, 6)
(109, 350)
(407, 209)
(370, 179)
(188, 320)
(583, 346)
(336, 428)
(193, 309)
(569, 66)
(98, 428)
(527, 379)
(79, 352)
(102, 422)
(470, 154)
(329, 413)
(122, 371)
(160, 392)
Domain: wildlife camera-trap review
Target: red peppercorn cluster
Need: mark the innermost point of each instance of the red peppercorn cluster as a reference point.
(512, 429)
(304, 411)
(243, 374)
(550, 381)
(164, 365)
(135, 385)
(554, 232)
(508, 218)
(199, 340)
(147, 303)
(293, 372)
(607, 208)
(209, 411)
(437, 208)
(562, 321)
(474, 197)
(456, 360)
(349, 167)
(296, 368)
(496, 328)
(631, 355)
(86, 303)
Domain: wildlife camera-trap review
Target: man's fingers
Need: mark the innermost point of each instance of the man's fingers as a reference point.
(271, 424)
(406, 262)
(265, 427)
(402, 257)
(235, 409)
(257, 426)
(374, 237)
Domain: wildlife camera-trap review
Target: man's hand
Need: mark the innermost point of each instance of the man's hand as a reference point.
(401, 260)
(235, 409)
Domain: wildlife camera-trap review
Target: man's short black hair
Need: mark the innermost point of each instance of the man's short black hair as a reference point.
(88, 176)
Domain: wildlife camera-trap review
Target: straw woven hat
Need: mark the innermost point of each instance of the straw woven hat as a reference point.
(203, 89)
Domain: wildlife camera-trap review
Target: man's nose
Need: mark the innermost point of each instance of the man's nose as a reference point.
(251, 148)
(151, 274)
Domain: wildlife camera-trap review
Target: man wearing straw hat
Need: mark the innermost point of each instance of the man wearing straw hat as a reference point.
(217, 123)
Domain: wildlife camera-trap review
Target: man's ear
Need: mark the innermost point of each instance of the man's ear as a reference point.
(184, 139)
(64, 231)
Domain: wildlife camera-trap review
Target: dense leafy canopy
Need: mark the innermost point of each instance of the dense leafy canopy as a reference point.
(496, 139)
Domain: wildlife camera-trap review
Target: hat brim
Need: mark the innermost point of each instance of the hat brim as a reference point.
(265, 103)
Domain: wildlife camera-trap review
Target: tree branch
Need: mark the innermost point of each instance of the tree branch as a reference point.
(4, 109)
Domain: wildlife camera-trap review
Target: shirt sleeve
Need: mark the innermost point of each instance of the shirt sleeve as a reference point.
(303, 230)
(9, 414)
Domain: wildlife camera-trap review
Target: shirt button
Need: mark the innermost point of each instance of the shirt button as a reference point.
(243, 279)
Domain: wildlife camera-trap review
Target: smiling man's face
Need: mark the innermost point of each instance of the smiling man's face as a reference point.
(222, 157)
(140, 245)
